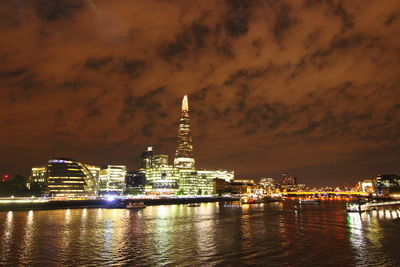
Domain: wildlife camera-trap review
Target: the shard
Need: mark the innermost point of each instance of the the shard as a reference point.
(184, 151)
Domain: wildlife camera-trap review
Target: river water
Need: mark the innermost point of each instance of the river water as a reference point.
(273, 234)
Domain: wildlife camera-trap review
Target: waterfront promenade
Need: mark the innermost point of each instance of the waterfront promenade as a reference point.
(43, 203)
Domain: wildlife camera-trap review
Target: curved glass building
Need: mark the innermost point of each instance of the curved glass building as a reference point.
(67, 177)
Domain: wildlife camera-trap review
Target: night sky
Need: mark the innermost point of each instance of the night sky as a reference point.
(308, 87)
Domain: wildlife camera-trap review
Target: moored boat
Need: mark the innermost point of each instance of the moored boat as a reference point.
(309, 200)
(135, 205)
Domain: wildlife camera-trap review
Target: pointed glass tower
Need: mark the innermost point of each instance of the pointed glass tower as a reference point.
(184, 151)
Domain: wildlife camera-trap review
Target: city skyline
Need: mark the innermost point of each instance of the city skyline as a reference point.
(311, 89)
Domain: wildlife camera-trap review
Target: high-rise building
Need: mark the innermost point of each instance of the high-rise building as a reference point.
(112, 179)
(67, 177)
(147, 158)
(161, 178)
(184, 151)
(181, 177)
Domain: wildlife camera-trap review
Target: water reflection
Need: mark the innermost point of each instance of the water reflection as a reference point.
(268, 234)
(205, 237)
(165, 234)
(366, 236)
(7, 235)
(27, 246)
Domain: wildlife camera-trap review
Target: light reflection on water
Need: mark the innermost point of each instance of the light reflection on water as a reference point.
(7, 233)
(367, 236)
(274, 234)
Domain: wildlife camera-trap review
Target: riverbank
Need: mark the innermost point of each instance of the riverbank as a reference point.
(15, 205)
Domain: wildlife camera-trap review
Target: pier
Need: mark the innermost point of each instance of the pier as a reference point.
(369, 206)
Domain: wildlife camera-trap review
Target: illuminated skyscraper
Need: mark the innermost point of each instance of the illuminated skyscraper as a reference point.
(184, 151)
(147, 158)
(181, 178)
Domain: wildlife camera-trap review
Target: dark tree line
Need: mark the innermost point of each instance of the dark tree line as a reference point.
(17, 187)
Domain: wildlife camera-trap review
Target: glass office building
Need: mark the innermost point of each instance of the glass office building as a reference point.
(112, 179)
(67, 177)
(181, 178)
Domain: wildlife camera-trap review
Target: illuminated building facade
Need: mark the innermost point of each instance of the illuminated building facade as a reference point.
(268, 182)
(162, 179)
(67, 177)
(387, 184)
(147, 158)
(243, 186)
(191, 183)
(95, 171)
(184, 150)
(289, 183)
(182, 177)
(112, 179)
(214, 174)
(367, 186)
(38, 175)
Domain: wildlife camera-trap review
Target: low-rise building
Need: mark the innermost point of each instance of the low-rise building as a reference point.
(387, 184)
(135, 182)
(112, 179)
(366, 186)
(221, 186)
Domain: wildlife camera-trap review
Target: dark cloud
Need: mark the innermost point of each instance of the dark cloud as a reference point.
(97, 63)
(175, 48)
(74, 85)
(200, 32)
(49, 10)
(200, 94)
(351, 41)
(147, 129)
(304, 86)
(238, 16)
(133, 68)
(267, 116)
(391, 18)
(193, 37)
(236, 26)
(93, 109)
(284, 20)
(347, 19)
(149, 103)
(10, 74)
(226, 50)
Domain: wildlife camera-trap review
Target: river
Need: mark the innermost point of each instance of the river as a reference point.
(271, 234)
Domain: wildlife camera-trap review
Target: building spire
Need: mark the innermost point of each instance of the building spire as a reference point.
(184, 150)
(185, 105)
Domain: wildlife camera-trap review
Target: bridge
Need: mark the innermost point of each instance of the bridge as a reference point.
(338, 193)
